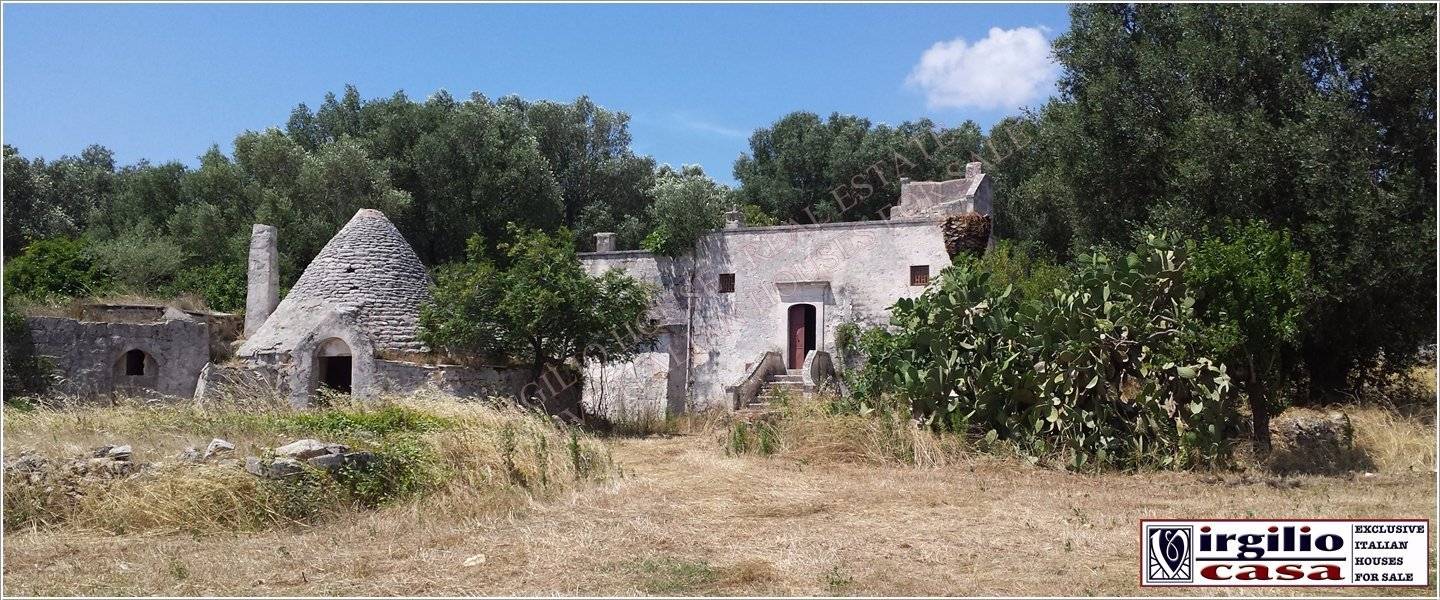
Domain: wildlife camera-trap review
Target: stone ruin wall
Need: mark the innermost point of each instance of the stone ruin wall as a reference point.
(90, 357)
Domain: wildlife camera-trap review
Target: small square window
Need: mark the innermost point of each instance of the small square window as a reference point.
(727, 283)
(919, 274)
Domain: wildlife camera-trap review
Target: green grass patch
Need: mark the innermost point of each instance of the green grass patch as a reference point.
(670, 575)
(380, 422)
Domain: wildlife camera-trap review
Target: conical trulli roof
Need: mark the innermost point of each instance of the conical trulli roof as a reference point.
(369, 266)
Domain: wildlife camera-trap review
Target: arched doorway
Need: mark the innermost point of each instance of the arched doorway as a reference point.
(800, 331)
(134, 370)
(333, 366)
(135, 363)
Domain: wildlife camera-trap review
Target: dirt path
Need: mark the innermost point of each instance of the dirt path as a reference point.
(686, 519)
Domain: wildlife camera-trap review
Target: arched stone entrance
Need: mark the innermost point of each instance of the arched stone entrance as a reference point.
(334, 367)
(134, 370)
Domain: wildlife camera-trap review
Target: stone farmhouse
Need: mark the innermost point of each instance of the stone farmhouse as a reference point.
(757, 308)
(754, 309)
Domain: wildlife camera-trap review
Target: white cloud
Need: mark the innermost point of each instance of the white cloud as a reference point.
(1005, 70)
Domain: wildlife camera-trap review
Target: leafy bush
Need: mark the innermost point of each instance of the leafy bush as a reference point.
(1253, 287)
(55, 267)
(1031, 276)
(141, 259)
(1102, 372)
(222, 285)
(826, 429)
(381, 421)
(26, 373)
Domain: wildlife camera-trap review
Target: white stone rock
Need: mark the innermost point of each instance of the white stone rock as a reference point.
(307, 449)
(119, 452)
(218, 446)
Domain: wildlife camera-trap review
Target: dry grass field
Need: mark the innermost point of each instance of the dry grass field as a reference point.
(679, 516)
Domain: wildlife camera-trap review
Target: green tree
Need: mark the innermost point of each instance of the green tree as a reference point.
(1253, 287)
(142, 259)
(478, 170)
(28, 214)
(806, 170)
(540, 308)
(1316, 119)
(588, 149)
(52, 199)
(221, 284)
(145, 196)
(687, 204)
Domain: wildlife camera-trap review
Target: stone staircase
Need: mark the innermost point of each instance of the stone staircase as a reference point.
(791, 384)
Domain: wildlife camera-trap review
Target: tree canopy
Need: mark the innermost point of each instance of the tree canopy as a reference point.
(1317, 120)
(538, 305)
(443, 170)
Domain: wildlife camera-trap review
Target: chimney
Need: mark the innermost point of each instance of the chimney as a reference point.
(972, 170)
(734, 219)
(263, 289)
(605, 242)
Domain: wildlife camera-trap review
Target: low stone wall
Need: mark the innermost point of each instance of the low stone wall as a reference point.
(456, 380)
(91, 357)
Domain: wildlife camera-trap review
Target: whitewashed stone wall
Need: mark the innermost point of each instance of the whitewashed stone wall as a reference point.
(850, 272)
(654, 382)
(651, 385)
(969, 194)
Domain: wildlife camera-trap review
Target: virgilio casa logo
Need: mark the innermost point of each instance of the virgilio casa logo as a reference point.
(1296, 552)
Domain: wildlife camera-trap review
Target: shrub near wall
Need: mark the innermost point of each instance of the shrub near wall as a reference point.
(1102, 372)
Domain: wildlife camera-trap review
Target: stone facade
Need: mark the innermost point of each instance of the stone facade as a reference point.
(163, 356)
(847, 272)
(730, 307)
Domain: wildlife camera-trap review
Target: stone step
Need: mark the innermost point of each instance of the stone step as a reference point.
(788, 378)
(787, 385)
(776, 397)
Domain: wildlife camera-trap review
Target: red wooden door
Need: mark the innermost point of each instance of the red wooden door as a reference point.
(798, 335)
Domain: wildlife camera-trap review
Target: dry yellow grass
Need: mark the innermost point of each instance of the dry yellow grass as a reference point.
(1396, 443)
(805, 431)
(467, 459)
(685, 518)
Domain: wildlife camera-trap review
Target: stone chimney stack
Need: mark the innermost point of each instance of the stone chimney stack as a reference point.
(605, 241)
(263, 289)
(734, 219)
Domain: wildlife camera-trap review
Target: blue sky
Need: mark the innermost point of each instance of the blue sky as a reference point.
(166, 82)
